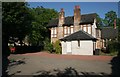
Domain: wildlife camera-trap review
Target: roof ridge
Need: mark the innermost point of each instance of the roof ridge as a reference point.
(82, 14)
(89, 13)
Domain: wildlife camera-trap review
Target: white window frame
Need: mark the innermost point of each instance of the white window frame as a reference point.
(71, 29)
(54, 32)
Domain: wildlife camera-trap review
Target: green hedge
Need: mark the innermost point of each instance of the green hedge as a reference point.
(113, 46)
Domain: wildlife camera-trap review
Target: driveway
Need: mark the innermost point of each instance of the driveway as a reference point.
(43, 63)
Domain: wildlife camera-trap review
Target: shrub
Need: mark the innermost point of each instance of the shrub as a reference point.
(57, 47)
(47, 45)
(113, 46)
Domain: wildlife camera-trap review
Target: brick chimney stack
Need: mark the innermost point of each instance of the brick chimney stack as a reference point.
(61, 17)
(77, 17)
(61, 22)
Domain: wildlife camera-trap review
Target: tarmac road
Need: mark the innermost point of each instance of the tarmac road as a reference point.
(43, 63)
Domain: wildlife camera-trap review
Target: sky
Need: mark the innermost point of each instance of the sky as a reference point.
(86, 7)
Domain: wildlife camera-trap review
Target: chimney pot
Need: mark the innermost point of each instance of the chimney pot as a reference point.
(77, 7)
(62, 10)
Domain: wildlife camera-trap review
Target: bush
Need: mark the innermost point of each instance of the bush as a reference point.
(113, 46)
(57, 47)
(48, 46)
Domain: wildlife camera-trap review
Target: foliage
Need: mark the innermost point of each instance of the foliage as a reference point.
(57, 47)
(16, 20)
(109, 18)
(113, 46)
(99, 21)
(118, 24)
(41, 17)
(47, 45)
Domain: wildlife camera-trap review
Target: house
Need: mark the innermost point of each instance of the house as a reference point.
(79, 34)
(78, 43)
(108, 34)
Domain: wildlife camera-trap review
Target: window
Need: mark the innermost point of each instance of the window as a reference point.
(65, 31)
(71, 29)
(89, 29)
(78, 43)
(68, 30)
(97, 33)
(85, 28)
(54, 32)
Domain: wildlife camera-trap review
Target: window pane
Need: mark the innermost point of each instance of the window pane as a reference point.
(68, 30)
(65, 30)
(51, 31)
(71, 30)
(84, 28)
(89, 30)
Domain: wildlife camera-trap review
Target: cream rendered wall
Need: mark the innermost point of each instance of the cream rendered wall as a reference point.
(94, 28)
(64, 47)
(86, 47)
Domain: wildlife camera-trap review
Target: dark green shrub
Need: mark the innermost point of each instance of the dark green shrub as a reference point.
(47, 45)
(113, 46)
(57, 47)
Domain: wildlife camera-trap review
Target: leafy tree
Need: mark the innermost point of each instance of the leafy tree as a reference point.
(16, 20)
(109, 18)
(42, 16)
(99, 21)
(118, 24)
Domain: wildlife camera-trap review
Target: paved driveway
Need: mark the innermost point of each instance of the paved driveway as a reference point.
(43, 63)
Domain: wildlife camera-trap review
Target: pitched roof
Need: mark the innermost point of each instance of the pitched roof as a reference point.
(108, 33)
(79, 35)
(53, 23)
(86, 18)
(69, 21)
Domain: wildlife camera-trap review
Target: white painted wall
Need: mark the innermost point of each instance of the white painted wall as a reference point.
(89, 29)
(94, 28)
(86, 47)
(64, 47)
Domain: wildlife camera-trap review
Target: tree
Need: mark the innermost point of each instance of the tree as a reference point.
(118, 24)
(42, 16)
(109, 18)
(99, 21)
(16, 20)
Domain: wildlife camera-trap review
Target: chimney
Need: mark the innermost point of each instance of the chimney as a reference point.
(61, 17)
(114, 23)
(77, 15)
(61, 22)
